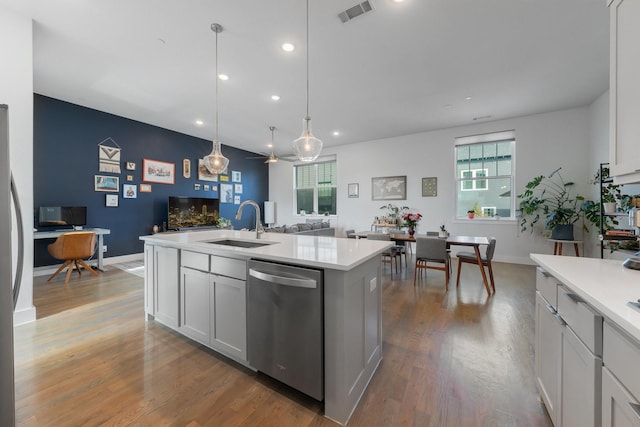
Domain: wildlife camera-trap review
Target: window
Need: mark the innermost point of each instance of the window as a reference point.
(316, 187)
(484, 175)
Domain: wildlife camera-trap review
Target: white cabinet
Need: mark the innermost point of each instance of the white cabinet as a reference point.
(166, 285)
(195, 289)
(548, 360)
(624, 87)
(148, 281)
(229, 316)
(619, 408)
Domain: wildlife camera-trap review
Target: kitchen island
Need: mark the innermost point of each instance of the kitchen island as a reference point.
(195, 283)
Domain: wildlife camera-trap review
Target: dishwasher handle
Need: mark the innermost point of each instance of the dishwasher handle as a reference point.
(283, 280)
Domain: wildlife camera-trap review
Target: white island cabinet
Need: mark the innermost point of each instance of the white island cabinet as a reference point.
(624, 87)
(198, 287)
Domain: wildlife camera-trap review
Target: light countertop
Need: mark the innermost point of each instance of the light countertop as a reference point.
(605, 284)
(314, 251)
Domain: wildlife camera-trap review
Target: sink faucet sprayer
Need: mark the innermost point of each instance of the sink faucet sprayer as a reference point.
(259, 228)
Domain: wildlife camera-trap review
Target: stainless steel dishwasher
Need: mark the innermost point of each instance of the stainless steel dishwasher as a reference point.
(285, 325)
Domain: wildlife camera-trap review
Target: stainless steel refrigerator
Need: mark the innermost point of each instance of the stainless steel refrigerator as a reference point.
(9, 285)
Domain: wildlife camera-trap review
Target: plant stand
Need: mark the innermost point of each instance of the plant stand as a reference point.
(557, 246)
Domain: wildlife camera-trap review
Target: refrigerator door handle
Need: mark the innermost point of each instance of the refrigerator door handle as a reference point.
(20, 262)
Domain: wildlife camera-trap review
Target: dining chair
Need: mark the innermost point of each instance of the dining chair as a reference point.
(350, 233)
(430, 250)
(390, 255)
(470, 257)
(73, 248)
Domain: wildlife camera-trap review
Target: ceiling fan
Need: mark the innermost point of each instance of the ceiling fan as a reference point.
(272, 158)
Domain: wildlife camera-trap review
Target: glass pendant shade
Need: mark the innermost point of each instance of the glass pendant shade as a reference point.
(307, 148)
(215, 162)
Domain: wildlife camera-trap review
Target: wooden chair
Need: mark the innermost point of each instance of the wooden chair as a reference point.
(432, 250)
(391, 254)
(470, 257)
(73, 248)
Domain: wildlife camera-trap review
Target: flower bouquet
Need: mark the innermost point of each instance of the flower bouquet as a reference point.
(411, 221)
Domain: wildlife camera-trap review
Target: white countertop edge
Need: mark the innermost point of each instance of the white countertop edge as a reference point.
(604, 284)
(312, 251)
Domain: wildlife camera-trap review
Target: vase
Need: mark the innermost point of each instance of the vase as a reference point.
(411, 231)
(562, 232)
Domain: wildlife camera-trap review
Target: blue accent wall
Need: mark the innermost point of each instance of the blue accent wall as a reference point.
(65, 161)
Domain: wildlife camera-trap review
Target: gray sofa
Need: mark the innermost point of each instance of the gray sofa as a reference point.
(320, 228)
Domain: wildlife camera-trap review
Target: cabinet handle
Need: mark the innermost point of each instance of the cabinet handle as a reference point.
(560, 320)
(635, 408)
(573, 297)
(551, 309)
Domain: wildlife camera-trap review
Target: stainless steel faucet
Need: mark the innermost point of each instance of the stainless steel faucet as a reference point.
(259, 228)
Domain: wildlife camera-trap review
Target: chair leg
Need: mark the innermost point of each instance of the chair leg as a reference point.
(446, 275)
(493, 284)
(458, 278)
(66, 263)
(75, 262)
(87, 267)
(69, 270)
(415, 273)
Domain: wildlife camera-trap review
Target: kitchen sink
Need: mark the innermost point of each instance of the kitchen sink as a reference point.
(240, 243)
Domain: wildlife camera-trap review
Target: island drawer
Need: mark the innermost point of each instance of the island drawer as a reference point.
(621, 356)
(547, 285)
(230, 267)
(581, 318)
(195, 260)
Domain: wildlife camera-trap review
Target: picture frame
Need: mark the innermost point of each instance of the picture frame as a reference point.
(111, 200)
(430, 186)
(204, 174)
(186, 168)
(237, 188)
(226, 193)
(389, 188)
(129, 178)
(145, 188)
(205, 187)
(158, 171)
(129, 191)
(130, 166)
(236, 176)
(106, 183)
(196, 187)
(353, 190)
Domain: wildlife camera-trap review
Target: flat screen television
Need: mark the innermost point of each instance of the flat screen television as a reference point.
(192, 212)
(62, 216)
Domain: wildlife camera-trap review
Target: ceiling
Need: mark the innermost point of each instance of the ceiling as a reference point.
(403, 68)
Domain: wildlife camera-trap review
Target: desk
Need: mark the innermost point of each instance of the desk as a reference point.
(475, 241)
(54, 234)
(557, 246)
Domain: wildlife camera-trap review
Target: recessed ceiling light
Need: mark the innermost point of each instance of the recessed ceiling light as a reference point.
(269, 145)
(275, 97)
(336, 133)
(447, 106)
(397, 1)
(288, 47)
(468, 98)
(223, 77)
(199, 122)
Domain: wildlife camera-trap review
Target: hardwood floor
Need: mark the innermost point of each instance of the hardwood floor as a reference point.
(449, 359)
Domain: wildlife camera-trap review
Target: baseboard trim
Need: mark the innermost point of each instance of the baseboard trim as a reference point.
(50, 269)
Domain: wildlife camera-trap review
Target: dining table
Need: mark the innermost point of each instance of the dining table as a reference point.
(469, 241)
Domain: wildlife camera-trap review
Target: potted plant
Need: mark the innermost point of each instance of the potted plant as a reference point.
(394, 212)
(443, 231)
(471, 214)
(610, 193)
(411, 221)
(550, 197)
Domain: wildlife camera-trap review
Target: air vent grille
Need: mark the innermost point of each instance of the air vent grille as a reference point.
(355, 11)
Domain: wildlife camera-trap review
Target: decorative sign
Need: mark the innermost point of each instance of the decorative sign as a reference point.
(109, 156)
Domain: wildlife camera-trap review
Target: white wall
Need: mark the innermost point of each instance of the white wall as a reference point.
(16, 90)
(544, 142)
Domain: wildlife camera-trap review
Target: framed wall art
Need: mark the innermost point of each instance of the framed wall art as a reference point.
(157, 171)
(186, 168)
(106, 183)
(145, 188)
(237, 188)
(353, 190)
(111, 200)
(236, 176)
(131, 166)
(430, 186)
(129, 191)
(389, 188)
(204, 174)
(226, 193)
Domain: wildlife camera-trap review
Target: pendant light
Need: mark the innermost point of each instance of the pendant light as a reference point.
(272, 157)
(215, 162)
(307, 148)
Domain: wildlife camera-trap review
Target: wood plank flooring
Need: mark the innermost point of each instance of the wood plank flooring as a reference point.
(449, 359)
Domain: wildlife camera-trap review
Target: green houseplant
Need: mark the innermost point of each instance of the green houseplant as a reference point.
(394, 212)
(550, 198)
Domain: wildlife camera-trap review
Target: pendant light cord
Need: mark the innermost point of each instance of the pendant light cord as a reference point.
(307, 118)
(216, 77)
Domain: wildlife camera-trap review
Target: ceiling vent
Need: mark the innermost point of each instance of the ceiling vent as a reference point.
(355, 11)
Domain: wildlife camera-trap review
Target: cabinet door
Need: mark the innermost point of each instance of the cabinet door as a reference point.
(624, 155)
(195, 321)
(148, 281)
(229, 320)
(581, 383)
(548, 344)
(166, 289)
(619, 408)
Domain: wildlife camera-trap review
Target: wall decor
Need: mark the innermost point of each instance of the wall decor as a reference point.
(131, 166)
(389, 188)
(108, 156)
(237, 188)
(145, 188)
(106, 183)
(430, 186)
(204, 174)
(157, 171)
(224, 178)
(236, 176)
(226, 193)
(129, 177)
(186, 168)
(205, 187)
(214, 188)
(129, 191)
(353, 190)
(111, 200)
(236, 200)
(196, 186)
